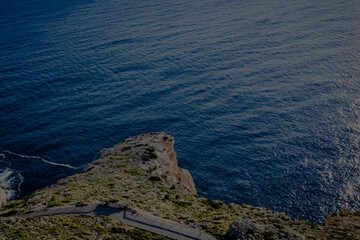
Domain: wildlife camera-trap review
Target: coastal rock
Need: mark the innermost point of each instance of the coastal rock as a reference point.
(246, 229)
(141, 174)
(3, 196)
(156, 151)
(330, 220)
(344, 225)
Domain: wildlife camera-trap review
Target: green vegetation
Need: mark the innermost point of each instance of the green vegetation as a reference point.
(122, 175)
(70, 227)
(183, 204)
(149, 154)
(108, 179)
(155, 178)
(125, 148)
(133, 171)
(213, 204)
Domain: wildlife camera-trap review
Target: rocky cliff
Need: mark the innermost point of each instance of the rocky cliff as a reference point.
(3, 196)
(142, 173)
(156, 151)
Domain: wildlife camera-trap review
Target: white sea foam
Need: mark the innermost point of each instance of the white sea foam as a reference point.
(9, 179)
(20, 182)
(12, 180)
(5, 174)
(42, 159)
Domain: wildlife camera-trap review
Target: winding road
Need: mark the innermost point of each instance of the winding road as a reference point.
(121, 214)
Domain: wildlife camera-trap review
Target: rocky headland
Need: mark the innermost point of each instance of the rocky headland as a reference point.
(142, 173)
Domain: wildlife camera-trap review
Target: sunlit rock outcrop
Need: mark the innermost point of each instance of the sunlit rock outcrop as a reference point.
(3, 196)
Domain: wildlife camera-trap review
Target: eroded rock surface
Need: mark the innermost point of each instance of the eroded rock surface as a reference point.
(3, 196)
(156, 152)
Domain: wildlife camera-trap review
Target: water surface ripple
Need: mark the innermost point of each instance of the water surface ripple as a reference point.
(261, 96)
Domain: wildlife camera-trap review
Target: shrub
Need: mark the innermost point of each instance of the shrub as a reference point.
(125, 148)
(133, 171)
(183, 204)
(214, 204)
(155, 178)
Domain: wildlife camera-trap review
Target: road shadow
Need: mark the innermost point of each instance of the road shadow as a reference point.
(103, 210)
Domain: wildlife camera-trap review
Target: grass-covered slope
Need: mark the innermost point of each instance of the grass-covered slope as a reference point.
(70, 227)
(142, 173)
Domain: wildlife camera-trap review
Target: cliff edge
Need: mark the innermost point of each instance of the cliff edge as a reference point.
(156, 152)
(142, 173)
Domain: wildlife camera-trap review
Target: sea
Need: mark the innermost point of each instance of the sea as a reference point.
(262, 97)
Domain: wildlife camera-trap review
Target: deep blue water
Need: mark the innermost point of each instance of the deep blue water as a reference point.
(262, 97)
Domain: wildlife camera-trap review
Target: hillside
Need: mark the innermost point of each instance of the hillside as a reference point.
(142, 174)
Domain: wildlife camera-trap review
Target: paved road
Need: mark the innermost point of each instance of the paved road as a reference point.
(120, 214)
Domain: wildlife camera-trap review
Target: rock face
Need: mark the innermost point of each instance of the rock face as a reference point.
(344, 225)
(246, 229)
(156, 150)
(3, 197)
